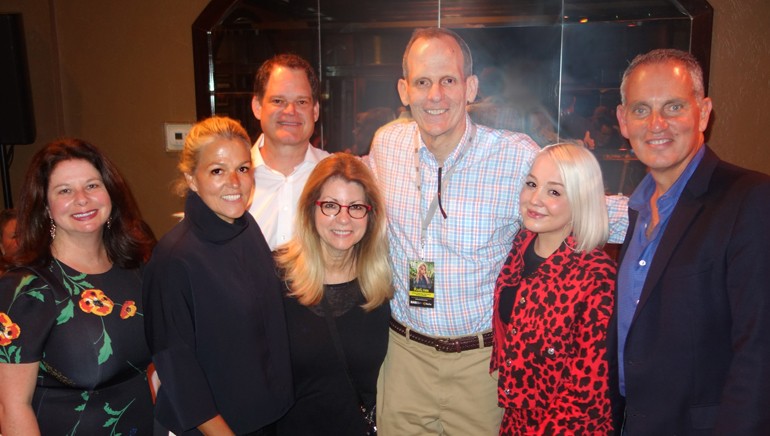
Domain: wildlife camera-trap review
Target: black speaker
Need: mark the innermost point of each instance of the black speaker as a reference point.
(17, 120)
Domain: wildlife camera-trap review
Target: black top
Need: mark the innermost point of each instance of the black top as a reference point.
(215, 324)
(325, 402)
(86, 330)
(508, 295)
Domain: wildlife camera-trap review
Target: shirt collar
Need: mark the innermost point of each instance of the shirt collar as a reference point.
(459, 150)
(641, 195)
(312, 155)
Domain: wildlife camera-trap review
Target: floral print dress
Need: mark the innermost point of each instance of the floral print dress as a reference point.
(87, 333)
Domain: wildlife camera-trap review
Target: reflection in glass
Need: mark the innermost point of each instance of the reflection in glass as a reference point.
(549, 68)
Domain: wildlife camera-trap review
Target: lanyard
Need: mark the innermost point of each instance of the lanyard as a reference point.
(426, 218)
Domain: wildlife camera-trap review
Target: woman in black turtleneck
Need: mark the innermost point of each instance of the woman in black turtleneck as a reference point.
(214, 316)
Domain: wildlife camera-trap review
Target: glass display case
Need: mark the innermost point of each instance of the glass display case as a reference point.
(549, 68)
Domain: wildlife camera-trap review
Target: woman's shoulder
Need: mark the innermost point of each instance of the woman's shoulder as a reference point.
(22, 287)
(21, 278)
(598, 262)
(40, 273)
(179, 234)
(178, 245)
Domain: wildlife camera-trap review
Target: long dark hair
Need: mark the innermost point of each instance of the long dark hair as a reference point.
(128, 240)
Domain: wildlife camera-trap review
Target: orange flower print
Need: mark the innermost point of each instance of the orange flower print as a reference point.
(128, 310)
(94, 301)
(8, 330)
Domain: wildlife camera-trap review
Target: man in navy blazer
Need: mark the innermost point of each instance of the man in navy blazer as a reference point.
(691, 333)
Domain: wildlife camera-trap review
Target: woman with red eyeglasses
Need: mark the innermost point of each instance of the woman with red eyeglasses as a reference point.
(338, 279)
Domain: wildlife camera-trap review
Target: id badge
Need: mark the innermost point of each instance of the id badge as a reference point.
(421, 283)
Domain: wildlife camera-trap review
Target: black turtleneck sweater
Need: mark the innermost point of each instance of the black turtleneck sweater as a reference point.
(215, 324)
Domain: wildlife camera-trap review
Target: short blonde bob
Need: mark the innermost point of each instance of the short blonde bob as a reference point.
(584, 186)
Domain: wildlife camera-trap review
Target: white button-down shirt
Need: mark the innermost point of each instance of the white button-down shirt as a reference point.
(275, 195)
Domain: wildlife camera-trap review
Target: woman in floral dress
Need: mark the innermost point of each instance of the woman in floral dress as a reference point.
(73, 356)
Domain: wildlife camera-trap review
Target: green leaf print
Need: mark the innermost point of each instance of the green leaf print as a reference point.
(74, 284)
(66, 314)
(116, 415)
(106, 351)
(37, 294)
(85, 396)
(10, 354)
(110, 411)
(78, 284)
(23, 283)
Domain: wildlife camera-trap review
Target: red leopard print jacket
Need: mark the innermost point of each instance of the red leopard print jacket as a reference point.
(552, 356)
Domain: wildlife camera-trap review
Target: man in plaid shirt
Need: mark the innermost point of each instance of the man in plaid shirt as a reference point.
(452, 192)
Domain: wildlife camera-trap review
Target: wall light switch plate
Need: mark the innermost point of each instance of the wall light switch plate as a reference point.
(175, 135)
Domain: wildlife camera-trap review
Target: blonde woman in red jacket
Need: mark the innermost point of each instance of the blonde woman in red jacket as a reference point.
(553, 302)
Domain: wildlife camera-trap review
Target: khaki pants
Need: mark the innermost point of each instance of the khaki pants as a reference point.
(422, 391)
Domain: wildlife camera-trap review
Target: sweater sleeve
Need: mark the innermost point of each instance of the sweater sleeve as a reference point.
(184, 398)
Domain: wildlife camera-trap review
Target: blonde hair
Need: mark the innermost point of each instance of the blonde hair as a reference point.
(202, 134)
(301, 258)
(584, 187)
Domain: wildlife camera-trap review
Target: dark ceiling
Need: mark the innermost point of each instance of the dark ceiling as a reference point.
(461, 13)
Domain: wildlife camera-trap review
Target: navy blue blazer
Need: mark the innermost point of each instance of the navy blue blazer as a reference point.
(697, 356)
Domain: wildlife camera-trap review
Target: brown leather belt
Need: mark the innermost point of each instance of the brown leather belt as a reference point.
(446, 345)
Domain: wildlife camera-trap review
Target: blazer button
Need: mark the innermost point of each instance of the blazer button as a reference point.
(507, 392)
(523, 300)
(550, 351)
(514, 330)
(508, 362)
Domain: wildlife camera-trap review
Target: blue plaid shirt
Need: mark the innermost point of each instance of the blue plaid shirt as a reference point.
(481, 200)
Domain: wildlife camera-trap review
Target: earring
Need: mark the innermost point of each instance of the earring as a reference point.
(109, 223)
(52, 230)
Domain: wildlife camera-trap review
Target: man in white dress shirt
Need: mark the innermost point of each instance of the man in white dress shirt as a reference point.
(286, 92)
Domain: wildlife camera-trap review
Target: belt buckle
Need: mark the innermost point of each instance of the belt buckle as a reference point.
(447, 345)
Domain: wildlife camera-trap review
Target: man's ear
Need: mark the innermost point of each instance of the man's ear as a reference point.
(620, 113)
(403, 93)
(471, 88)
(705, 114)
(256, 107)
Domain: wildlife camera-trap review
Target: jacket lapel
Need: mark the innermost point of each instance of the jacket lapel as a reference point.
(688, 207)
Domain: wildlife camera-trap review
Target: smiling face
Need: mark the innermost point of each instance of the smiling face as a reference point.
(436, 90)
(286, 111)
(543, 203)
(223, 178)
(663, 119)
(78, 201)
(339, 234)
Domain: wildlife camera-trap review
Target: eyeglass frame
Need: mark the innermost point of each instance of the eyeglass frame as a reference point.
(367, 208)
